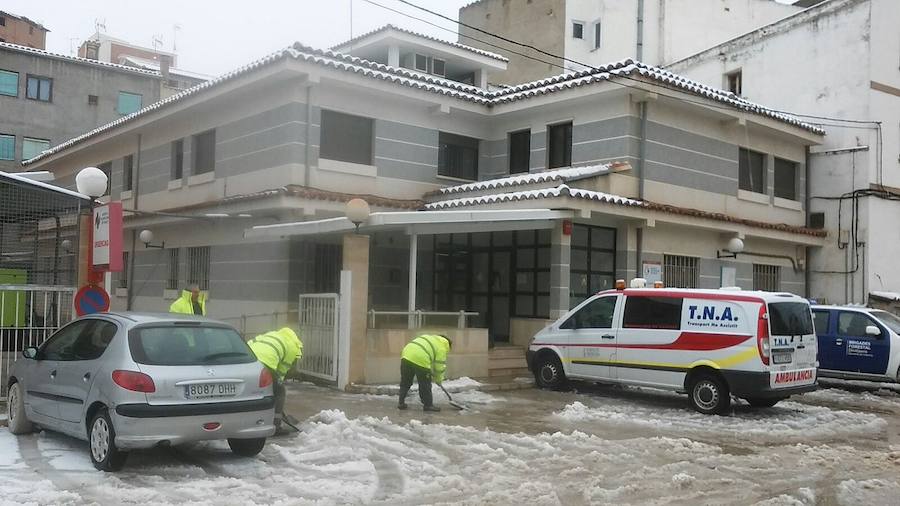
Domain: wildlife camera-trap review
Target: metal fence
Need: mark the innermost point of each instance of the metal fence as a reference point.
(319, 319)
(419, 319)
(251, 325)
(28, 315)
(680, 271)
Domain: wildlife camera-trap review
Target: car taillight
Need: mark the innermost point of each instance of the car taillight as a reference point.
(134, 381)
(265, 377)
(762, 335)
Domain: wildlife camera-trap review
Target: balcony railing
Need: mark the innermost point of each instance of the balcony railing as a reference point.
(419, 319)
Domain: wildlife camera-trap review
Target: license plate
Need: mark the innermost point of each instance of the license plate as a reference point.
(796, 377)
(207, 390)
(782, 358)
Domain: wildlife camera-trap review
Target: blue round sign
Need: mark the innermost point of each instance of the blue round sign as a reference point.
(91, 299)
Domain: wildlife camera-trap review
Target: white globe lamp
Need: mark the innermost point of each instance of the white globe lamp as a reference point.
(735, 245)
(358, 211)
(146, 236)
(91, 181)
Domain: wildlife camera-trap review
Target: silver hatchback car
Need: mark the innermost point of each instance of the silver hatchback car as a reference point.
(126, 381)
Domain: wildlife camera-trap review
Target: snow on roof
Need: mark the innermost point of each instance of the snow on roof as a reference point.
(421, 36)
(566, 174)
(76, 59)
(41, 185)
(153, 65)
(562, 190)
(886, 295)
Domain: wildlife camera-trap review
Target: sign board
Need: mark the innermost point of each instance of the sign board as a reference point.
(107, 236)
(652, 272)
(729, 276)
(91, 299)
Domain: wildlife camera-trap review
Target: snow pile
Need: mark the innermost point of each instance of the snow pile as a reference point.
(874, 491)
(803, 497)
(878, 400)
(789, 421)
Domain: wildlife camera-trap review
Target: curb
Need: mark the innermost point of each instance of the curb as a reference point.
(395, 389)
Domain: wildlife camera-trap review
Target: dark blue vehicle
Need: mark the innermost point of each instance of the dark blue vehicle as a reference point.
(857, 343)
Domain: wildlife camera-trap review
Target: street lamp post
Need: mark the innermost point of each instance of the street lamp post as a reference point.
(92, 182)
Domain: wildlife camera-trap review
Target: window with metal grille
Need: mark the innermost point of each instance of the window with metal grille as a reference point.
(198, 266)
(559, 142)
(172, 276)
(128, 173)
(123, 276)
(204, 152)
(766, 277)
(93, 99)
(457, 156)
(680, 271)
(9, 83)
(519, 151)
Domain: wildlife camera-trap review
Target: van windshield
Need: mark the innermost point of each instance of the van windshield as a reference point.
(790, 319)
(889, 319)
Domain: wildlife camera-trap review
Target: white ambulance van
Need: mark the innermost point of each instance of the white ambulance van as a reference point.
(710, 344)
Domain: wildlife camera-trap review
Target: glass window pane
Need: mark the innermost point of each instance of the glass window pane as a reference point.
(346, 137)
(543, 281)
(751, 171)
(481, 239)
(525, 281)
(820, 321)
(525, 305)
(129, 102)
(32, 88)
(502, 238)
(578, 284)
(603, 238)
(524, 238)
(9, 83)
(543, 306)
(785, 179)
(519, 151)
(543, 259)
(7, 147)
(652, 313)
(602, 261)
(579, 260)
(457, 156)
(480, 273)
(33, 147)
(600, 282)
(579, 235)
(44, 91)
(525, 258)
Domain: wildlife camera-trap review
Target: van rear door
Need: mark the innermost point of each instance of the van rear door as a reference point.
(793, 344)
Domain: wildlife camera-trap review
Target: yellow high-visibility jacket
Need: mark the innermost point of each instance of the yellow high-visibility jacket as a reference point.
(430, 352)
(184, 305)
(277, 350)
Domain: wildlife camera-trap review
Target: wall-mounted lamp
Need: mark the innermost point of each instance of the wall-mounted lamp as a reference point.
(357, 212)
(735, 246)
(91, 181)
(146, 237)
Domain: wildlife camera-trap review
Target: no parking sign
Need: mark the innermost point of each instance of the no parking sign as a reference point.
(91, 299)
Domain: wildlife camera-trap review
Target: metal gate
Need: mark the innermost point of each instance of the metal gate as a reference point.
(29, 314)
(319, 326)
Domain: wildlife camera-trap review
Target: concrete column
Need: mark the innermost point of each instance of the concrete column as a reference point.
(560, 259)
(356, 260)
(481, 79)
(394, 56)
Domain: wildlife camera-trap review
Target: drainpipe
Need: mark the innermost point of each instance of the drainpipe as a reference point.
(308, 135)
(639, 53)
(806, 201)
(642, 157)
(135, 194)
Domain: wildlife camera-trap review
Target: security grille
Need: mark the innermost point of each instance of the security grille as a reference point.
(172, 276)
(198, 267)
(680, 271)
(766, 277)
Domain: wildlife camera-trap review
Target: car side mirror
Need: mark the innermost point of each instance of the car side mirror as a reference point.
(30, 352)
(872, 330)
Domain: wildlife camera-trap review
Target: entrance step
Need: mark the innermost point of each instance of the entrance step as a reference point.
(507, 361)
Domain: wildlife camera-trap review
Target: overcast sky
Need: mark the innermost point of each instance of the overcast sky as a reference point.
(218, 36)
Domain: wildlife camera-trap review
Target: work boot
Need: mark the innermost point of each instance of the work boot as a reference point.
(402, 405)
(433, 409)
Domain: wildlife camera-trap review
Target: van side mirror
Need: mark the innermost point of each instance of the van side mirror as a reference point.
(30, 352)
(872, 330)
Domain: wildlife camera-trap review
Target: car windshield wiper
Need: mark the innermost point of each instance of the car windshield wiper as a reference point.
(223, 355)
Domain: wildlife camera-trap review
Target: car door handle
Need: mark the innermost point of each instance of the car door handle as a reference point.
(52, 374)
(838, 342)
(608, 336)
(86, 377)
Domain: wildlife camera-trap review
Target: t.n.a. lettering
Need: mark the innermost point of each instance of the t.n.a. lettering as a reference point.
(712, 313)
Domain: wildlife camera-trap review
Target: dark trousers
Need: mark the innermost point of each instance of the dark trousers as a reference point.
(408, 371)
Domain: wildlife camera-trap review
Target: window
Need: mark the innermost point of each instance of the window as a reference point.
(438, 67)
(457, 156)
(39, 88)
(733, 82)
(421, 62)
(205, 345)
(785, 179)
(652, 313)
(7, 147)
(204, 152)
(817, 220)
(346, 138)
(531, 276)
(889, 319)
(820, 319)
(107, 169)
(33, 147)
(123, 276)
(198, 267)
(752, 171)
(80, 340)
(559, 141)
(2, 21)
(577, 30)
(680, 271)
(177, 159)
(128, 102)
(9, 83)
(854, 324)
(519, 151)
(172, 275)
(597, 314)
(128, 173)
(766, 277)
(790, 319)
(93, 99)
(597, 35)
(593, 261)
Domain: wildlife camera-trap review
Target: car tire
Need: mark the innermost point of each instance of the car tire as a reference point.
(15, 411)
(247, 447)
(102, 440)
(764, 403)
(548, 372)
(709, 394)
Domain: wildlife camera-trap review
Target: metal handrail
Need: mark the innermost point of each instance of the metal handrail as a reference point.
(36, 288)
(417, 317)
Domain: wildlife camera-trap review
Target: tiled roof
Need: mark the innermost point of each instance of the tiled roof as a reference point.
(567, 174)
(76, 59)
(421, 36)
(432, 84)
(564, 190)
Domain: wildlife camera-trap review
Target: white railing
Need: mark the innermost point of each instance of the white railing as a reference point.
(419, 319)
(29, 314)
(251, 325)
(319, 317)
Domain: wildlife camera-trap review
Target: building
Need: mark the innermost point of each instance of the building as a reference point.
(511, 204)
(47, 98)
(22, 31)
(848, 70)
(595, 32)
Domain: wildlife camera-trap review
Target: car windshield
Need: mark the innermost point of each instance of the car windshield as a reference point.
(790, 319)
(188, 345)
(889, 319)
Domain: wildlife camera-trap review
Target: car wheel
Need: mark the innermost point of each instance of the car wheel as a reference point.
(709, 394)
(15, 411)
(104, 454)
(764, 403)
(247, 447)
(548, 372)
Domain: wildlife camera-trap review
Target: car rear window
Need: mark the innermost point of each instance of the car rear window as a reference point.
(188, 345)
(790, 319)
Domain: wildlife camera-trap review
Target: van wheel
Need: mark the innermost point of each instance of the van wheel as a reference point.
(548, 372)
(764, 403)
(104, 454)
(247, 447)
(709, 394)
(15, 411)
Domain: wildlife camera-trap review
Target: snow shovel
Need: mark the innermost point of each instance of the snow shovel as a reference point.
(290, 421)
(458, 405)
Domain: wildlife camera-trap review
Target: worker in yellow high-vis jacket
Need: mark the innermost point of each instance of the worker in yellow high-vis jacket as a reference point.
(424, 358)
(192, 301)
(278, 350)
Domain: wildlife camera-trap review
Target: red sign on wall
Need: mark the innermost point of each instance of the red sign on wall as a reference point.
(107, 237)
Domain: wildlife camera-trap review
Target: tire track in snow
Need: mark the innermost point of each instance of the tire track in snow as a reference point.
(61, 479)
